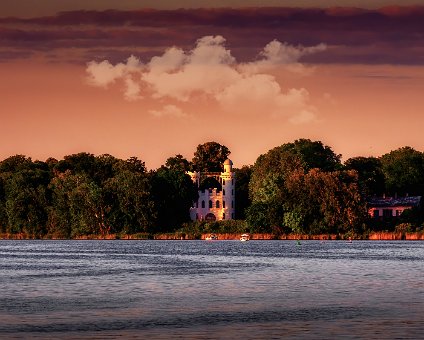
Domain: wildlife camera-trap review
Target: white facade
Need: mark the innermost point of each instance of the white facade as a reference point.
(214, 204)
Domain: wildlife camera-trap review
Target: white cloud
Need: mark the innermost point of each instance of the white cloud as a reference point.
(132, 89)
(210, 70)
(276, 53)
(169, 111)
(104, 73)
(303, 117)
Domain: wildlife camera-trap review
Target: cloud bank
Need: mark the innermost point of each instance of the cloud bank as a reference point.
(210, 71)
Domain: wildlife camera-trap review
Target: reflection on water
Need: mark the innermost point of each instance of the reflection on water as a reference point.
(209, 290)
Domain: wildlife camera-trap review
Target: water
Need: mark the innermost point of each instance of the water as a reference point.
(211, 290)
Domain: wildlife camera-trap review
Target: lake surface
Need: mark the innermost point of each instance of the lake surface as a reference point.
(211, 289)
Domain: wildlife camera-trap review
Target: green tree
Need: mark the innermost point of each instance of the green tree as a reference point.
(321, 202)
(173, 192)
(78, 206)
(290, 191)
(370, 174)
(267, 188)
(3, 214)
(26, 199)
(314, 154)
(404, 171)
(134, 211)
(82, 162)
(243, 201)
(15, 163)
(209, 157)
(178, 162)
(209, 183)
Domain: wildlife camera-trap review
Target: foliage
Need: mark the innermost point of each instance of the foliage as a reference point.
(173, 193)
(178, 162)
(370, 174)
(296, 187)
(210, 183)
(314, 154)
(288, 190)
(403, 169)
(404, 228)
(243, 201)
(209, 157)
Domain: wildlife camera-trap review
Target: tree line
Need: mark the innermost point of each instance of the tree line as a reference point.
(301, 187)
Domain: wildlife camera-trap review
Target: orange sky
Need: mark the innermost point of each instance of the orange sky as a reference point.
(50, 109)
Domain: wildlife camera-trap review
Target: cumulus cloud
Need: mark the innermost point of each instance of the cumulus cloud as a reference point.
(210, 70)
(280, 54)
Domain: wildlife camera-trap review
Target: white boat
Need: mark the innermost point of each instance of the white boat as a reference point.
(211, 237)
(245, 237)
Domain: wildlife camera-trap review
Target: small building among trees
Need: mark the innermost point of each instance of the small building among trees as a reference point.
(389, 207)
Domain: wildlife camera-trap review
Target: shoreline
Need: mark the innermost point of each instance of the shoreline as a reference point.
(373, 236)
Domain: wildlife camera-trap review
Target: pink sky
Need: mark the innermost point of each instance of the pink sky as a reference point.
(241, 80)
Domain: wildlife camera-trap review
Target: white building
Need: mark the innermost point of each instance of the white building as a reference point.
(215, 204)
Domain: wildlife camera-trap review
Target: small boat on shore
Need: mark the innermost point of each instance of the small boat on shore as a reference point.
(211, 237)
(245, 237)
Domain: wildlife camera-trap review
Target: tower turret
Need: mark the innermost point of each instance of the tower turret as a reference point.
(228, 165)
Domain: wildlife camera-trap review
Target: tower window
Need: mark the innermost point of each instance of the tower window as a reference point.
(223, 204)
(210, 204)
(232, 204)
(217, 204)
(223, 192)
(232, 191)
(223, 182)
(203, 204)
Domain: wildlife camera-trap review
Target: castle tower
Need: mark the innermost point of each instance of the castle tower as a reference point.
(215, 203)
(227, 180)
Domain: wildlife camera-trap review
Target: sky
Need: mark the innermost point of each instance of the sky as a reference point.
(153, 79)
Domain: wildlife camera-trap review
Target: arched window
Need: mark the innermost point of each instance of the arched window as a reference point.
(217, 204)
(210, 204)
(223, 192)
(223, 204)
(203, 204)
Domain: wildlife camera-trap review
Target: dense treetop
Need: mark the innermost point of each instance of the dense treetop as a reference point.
(297, 187)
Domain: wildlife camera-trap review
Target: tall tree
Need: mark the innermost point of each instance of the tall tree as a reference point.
(404, 171)
(314, 154)
(209, 157)
(26, 197)
(243, 201)
(82, 162)
(178, 162)
(267, 188)
(135, 210)
(370, 174)
(173, 192)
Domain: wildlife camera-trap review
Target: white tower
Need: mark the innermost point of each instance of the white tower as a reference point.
(227, 180)
(214, 204)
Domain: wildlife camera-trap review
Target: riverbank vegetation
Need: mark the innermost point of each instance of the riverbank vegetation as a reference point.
(298, 188)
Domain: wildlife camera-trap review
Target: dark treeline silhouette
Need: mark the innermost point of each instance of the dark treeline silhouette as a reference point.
(299, 187)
